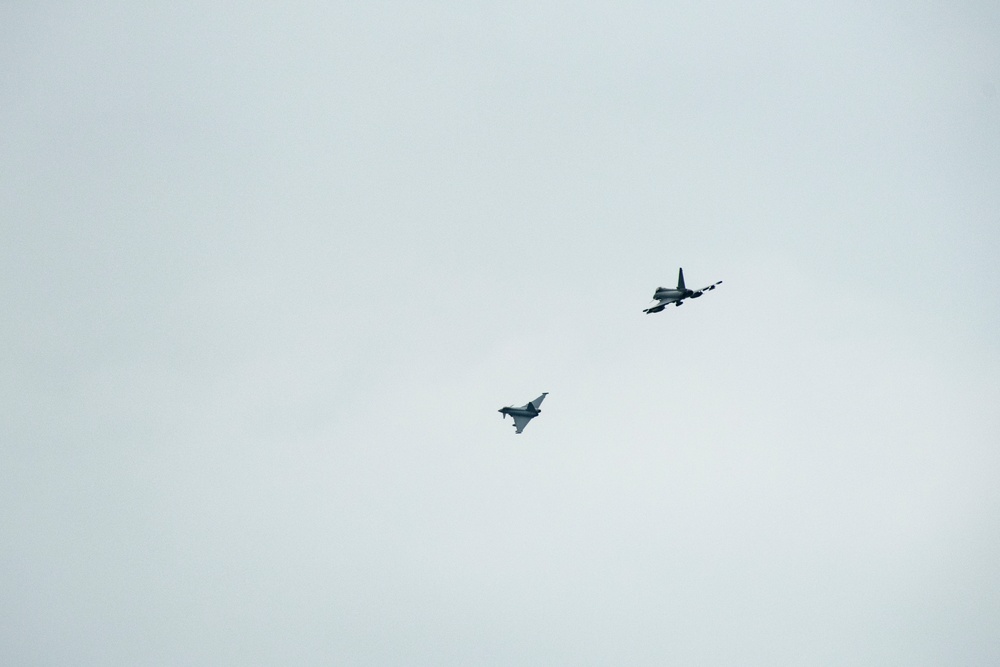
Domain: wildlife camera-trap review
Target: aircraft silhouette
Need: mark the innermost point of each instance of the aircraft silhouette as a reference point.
(525, 413)
(667, 295)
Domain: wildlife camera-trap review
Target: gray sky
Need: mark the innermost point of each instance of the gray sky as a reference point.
(269, 272)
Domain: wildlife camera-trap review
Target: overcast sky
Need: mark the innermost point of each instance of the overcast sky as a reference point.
(268, 272)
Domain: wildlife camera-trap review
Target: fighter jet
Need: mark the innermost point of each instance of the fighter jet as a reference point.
(666, 295)
(525, 413)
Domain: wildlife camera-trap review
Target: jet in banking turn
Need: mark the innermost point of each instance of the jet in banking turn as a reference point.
(525, 413)
(664, 296)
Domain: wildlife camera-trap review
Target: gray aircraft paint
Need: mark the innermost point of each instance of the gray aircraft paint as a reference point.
(676, 295)
(525, 413)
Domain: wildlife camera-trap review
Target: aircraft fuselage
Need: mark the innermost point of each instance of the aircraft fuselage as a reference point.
(520, 412)
(669, 295)
(672, 294)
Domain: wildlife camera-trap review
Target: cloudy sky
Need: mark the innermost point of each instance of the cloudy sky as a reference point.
(268, 273)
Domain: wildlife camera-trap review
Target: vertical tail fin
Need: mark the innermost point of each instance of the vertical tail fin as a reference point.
(680, 280)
